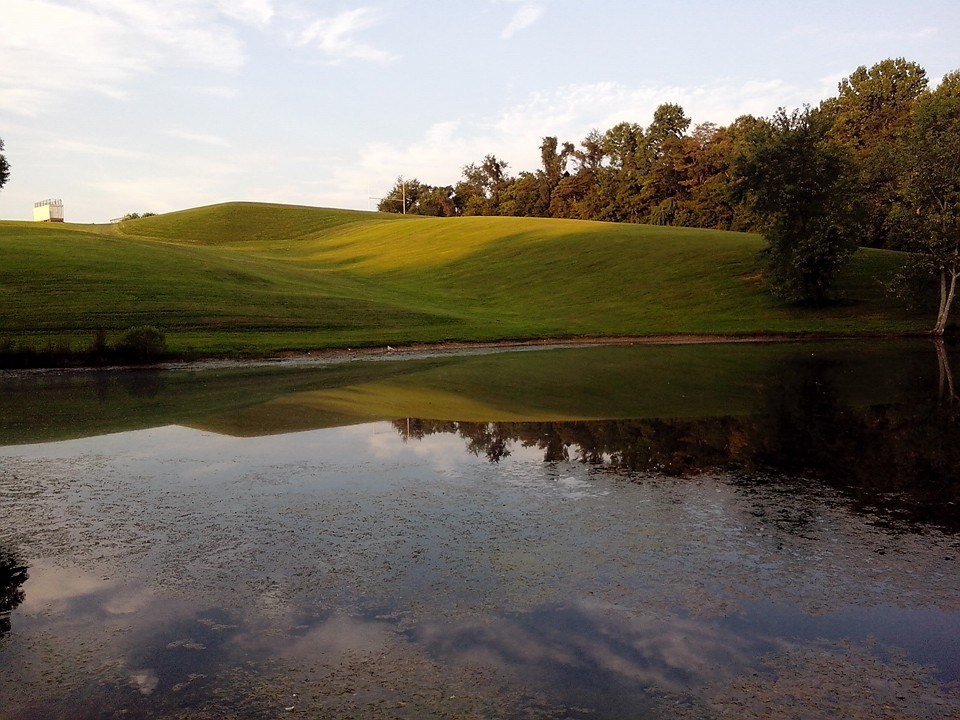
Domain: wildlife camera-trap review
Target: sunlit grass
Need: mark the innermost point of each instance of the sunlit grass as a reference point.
(248, 278)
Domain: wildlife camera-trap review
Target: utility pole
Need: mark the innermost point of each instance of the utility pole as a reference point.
(403, 196)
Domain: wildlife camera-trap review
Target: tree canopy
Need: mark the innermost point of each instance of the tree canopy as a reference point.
(875, 166)
(798, 182)
(4, 167)
(926, 213)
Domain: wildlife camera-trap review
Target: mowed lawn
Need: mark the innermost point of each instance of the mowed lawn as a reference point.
(245, 278)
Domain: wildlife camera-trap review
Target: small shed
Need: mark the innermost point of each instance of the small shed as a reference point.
(48, 211)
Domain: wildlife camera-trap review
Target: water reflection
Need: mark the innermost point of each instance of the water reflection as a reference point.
(13, 574)
(898, 461)
(666, 532)
(574, 384)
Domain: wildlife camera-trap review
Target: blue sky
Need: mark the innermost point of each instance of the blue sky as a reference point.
(134, 105)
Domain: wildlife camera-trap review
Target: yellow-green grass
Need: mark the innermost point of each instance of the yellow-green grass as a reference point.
(245, 278)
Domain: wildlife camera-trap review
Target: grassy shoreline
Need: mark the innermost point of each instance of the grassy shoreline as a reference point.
(419, 350)
(256, 280)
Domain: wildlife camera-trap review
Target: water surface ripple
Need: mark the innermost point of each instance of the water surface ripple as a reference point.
(749, 532)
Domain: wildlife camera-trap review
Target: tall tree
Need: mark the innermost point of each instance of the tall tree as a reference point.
(580, 195)
(797, 181)
(592, 152)
(436, 201)
(553, 161)
(927, 213)
(4, 167)
(873, 109)
(623, 144)
(478, 193)
(522, 198)
(669, 123)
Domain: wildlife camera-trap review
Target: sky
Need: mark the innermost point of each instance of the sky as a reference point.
(121, 106)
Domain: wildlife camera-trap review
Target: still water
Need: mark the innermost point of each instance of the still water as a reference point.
(763, 531)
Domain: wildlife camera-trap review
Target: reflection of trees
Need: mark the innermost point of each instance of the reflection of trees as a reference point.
(898, 460)
(12, 575)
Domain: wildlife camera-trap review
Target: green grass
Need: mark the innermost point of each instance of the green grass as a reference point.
(245, 278)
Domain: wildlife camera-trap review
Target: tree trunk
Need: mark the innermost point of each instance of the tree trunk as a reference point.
(950, 295)
(946, 390)
(946, 299)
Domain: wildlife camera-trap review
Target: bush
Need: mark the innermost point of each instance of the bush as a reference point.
(142, 344)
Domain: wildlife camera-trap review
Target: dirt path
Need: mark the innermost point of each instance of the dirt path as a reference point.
(415, 351)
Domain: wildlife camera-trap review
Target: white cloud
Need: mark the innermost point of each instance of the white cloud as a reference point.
(49, 49)
(568, 112)
(160, 187)
(335, 36)
(837, 37)
(60, 145)
(203, 138)
(251, 12)
(223, 92)
(525, 16)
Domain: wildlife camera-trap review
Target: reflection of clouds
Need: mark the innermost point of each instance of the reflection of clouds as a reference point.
(51, 589)
(145, 681)
(595, 643)
(338, 636)
(128, 602)
(526, 471)
(329, 641)
(328, 519)
(443, 452)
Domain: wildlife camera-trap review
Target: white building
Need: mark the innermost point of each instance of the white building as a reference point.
(48, 211)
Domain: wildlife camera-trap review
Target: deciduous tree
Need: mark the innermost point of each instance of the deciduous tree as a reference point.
(4, 167)
(927, 213)
(798, 182)
(873, 109)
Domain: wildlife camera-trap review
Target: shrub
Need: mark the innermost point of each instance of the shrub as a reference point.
(142, 344)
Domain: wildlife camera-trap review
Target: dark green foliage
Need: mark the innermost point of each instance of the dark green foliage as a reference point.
(926, 213)
(142, 344)
(420, 199)
(871, 112)
(799, 183)
(13, 574)
(4, 167)
(54, 353)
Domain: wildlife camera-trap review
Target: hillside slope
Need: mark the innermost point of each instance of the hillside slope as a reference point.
(254, 278)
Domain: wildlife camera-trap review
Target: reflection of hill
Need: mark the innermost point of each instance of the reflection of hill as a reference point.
(569, 384)
(901, 460)
(13, 574)
(44, 408)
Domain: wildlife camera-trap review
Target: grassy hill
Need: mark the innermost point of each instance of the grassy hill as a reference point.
(255, 278)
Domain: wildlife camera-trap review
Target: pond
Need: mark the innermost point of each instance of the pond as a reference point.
(719, 531)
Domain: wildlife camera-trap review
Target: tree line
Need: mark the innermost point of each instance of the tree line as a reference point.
(877, 165)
